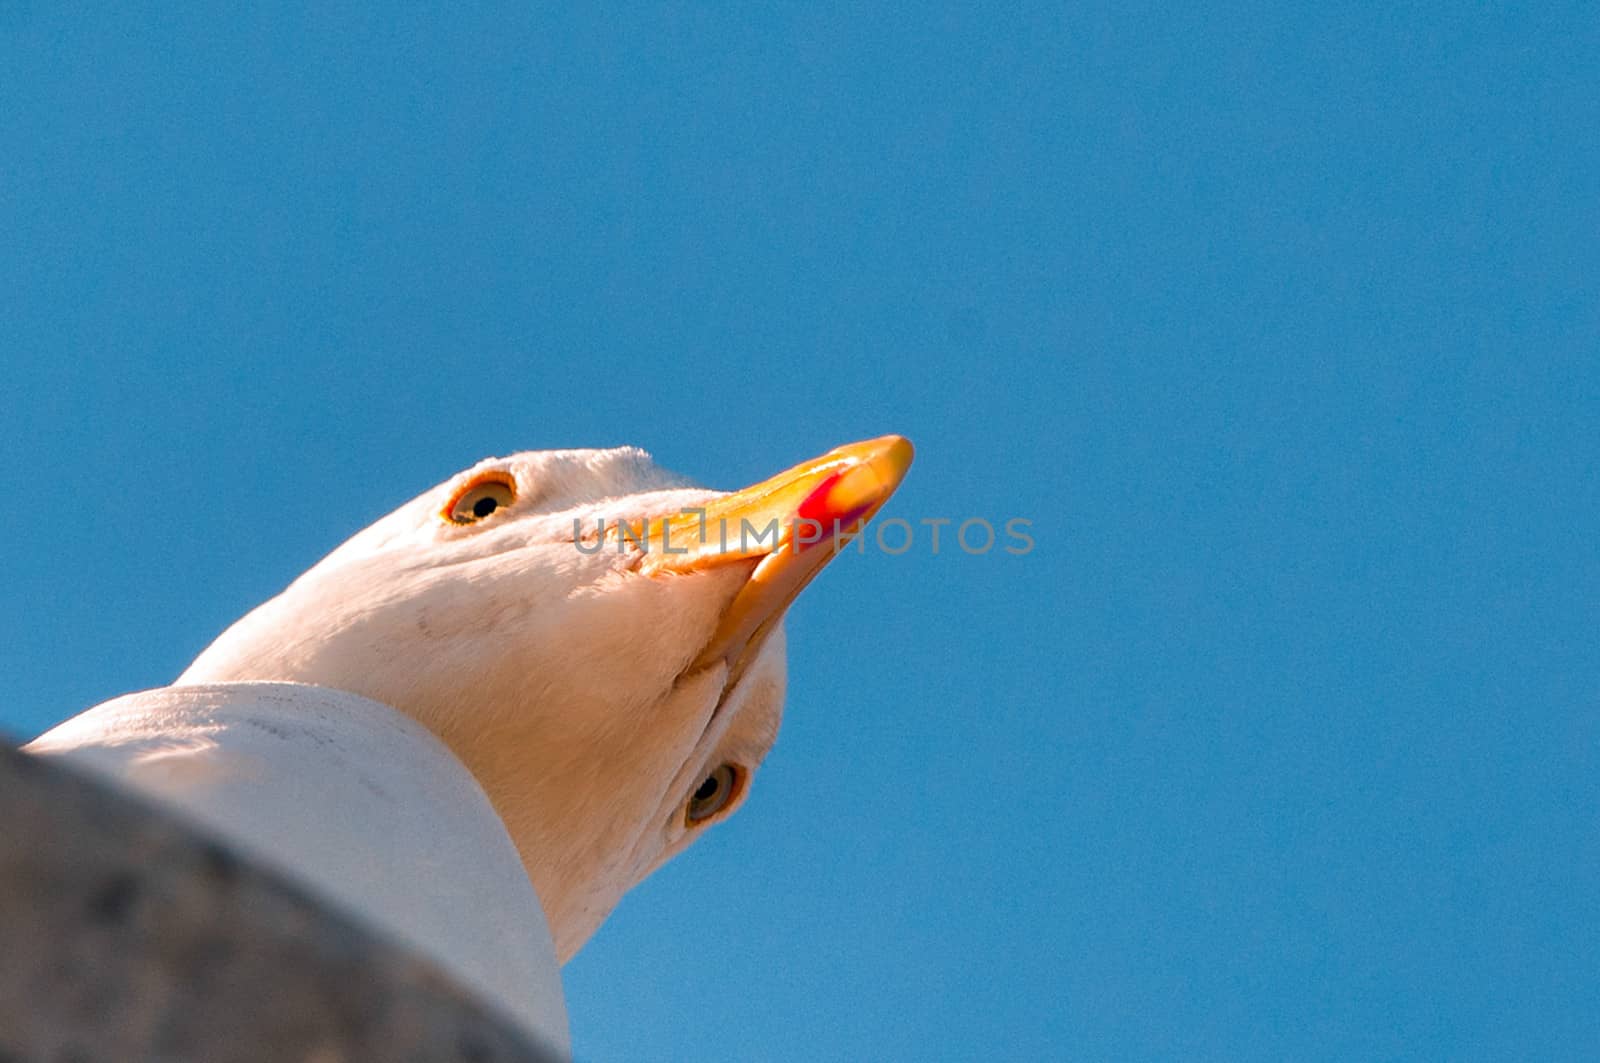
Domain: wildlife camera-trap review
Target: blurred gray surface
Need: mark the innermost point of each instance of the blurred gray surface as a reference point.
(125, 936)
(353, 802)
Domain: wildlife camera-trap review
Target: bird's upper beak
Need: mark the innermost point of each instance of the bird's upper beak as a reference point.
(790, 526)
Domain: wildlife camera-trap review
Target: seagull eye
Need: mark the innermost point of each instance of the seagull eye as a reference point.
(713, 794)
(481, 498)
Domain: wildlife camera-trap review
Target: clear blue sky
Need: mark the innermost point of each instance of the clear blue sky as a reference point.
(1281, 322)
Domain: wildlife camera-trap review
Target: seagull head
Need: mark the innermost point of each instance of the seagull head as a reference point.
(597, 639)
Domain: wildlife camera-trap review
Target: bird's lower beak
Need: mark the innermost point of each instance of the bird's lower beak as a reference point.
(790, 525)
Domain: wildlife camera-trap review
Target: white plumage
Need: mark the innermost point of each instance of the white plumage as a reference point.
(595, 687)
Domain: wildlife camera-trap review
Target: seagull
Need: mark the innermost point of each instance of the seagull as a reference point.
(597, 640)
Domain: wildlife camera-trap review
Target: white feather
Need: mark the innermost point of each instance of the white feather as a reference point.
(556, 675)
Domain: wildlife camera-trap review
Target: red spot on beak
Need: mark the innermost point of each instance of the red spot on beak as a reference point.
(820, 508)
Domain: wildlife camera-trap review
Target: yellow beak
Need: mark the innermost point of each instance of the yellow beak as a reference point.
(790, 526)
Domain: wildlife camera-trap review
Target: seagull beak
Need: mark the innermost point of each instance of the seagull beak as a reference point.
(790, 525)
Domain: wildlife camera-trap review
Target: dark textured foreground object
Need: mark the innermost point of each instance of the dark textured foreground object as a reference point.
(126, 936)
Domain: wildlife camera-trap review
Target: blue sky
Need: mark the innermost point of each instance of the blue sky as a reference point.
(1280, 322)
